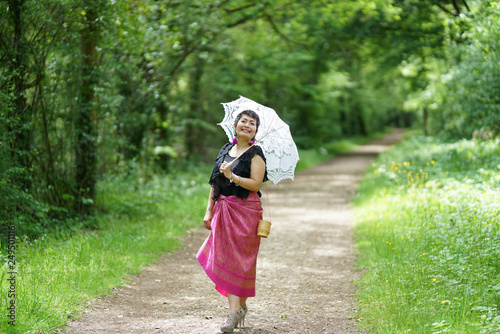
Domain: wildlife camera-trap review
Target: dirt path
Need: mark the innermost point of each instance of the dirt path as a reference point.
(304, 269)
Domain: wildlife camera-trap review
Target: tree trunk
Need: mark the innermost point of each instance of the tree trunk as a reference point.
(194, 136)
(20, 124)
(86, 116)
(343, 114)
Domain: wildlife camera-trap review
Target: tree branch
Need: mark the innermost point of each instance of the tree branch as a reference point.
(224, 2)
(457, 8)
(275, 28)
(240, 21)
(181, 60)
(240, 8)
(446, 10)
(172, 4)
(466, 5)
(287, 4)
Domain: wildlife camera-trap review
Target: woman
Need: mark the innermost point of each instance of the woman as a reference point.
(229, 254)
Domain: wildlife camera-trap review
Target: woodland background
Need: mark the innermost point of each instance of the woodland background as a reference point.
(92, 89)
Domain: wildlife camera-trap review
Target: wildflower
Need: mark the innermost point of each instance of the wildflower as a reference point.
(434, 279)
(444, 301)
(433, 162)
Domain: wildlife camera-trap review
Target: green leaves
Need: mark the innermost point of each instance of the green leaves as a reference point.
(330, 69)
(461, 91)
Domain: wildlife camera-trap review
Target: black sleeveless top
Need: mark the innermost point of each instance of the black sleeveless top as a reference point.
(241, 167)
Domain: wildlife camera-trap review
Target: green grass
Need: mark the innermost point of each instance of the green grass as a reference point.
(428, 232)
(60, 272)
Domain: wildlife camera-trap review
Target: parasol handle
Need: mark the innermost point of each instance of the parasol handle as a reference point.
(239, 156)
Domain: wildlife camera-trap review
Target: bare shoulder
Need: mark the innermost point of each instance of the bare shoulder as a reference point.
(258, 159)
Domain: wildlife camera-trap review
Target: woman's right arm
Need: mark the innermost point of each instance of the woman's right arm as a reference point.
(207, 220)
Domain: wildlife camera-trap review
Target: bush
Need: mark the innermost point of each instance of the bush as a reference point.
(471, 100)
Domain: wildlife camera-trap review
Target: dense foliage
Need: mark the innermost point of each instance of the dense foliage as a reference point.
(90, 88)
(472, 83)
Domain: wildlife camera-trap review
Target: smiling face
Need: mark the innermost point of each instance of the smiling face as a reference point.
(246, 128)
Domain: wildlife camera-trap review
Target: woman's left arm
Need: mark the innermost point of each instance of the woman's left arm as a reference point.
(257, 170)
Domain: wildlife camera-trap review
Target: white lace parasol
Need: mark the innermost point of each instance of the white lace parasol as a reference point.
(273, 137)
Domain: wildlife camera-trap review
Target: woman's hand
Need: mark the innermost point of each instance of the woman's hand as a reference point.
(207, 220)
(225, 168)
(209, 213)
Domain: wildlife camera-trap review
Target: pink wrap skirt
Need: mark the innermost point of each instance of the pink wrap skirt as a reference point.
(229, 254)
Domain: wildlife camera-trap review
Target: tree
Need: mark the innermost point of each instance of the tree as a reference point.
(467, 89)
(15, 52)
(27, 31)
(86, 114)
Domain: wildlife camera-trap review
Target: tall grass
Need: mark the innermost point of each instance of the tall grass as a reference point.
(428, 232)
(58, 273)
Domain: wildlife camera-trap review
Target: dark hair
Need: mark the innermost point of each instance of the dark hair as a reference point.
(249, 113)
